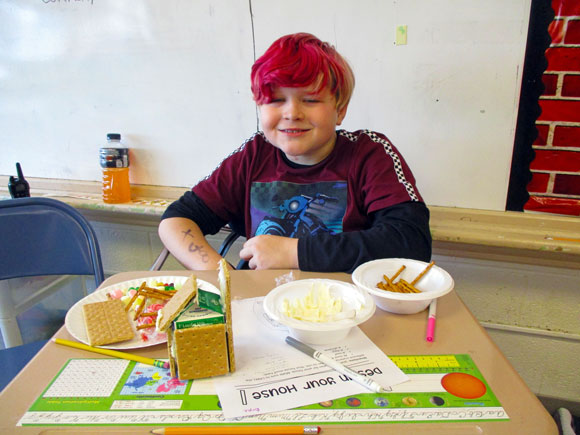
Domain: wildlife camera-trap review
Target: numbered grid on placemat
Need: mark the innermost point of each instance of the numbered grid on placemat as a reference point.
(88, 378)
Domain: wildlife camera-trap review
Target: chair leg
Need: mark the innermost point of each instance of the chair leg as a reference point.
(8, 324)
(83, 281)
(160, 261)
(10, 332)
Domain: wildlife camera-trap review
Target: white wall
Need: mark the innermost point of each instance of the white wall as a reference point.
(173, 78)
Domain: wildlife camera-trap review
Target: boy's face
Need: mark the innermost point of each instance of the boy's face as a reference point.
(301, 124)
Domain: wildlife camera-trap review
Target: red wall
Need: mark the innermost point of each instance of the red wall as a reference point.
(555, 185)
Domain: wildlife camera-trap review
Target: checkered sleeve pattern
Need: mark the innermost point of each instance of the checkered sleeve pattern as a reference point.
(388, 147)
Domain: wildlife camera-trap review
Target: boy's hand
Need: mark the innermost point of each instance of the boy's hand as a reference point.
(271, 252)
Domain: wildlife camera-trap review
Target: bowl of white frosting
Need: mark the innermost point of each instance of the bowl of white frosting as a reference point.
(319, 311)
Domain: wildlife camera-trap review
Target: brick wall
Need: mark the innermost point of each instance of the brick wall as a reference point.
(555, 184)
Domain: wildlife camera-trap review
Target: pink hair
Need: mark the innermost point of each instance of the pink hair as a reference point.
(300, 60)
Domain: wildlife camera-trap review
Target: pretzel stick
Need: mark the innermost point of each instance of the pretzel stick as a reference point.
(408, 287)
(390, 286)
(166, 294)
(381, 285)
(140, 308)
(398, 272)
(416, 280)
(401, 288)
(169, 292)
(154, 314)
(145, 326)
(130, 304)
(156, 295)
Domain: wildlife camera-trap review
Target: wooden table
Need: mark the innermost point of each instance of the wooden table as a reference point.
(458, 332)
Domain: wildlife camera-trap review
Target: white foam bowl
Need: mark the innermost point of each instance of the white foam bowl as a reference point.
(434, 284)
(353, 298)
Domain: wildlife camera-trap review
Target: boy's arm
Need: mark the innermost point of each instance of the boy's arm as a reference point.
(182, 230)
(399, 231)
(185, 240)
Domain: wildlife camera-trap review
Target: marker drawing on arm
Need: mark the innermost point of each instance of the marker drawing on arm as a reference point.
(193, 247)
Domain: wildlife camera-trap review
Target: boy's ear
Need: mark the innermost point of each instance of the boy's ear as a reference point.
(341, 115)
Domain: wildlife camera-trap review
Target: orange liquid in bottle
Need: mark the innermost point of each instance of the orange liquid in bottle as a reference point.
(116, 187)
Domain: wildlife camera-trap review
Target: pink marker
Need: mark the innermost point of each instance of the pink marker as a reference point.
(431, 320)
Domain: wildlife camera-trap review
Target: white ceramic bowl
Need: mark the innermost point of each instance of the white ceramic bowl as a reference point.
(353, 298)
(434, 284)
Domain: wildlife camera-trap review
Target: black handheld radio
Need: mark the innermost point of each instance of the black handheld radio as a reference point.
(18, 186)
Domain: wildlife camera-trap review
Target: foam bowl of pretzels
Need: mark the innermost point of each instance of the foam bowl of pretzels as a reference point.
(402, 285)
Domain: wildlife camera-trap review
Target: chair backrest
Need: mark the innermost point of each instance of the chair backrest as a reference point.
(43, 236)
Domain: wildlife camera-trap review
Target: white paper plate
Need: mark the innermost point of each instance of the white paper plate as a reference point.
(75, 322)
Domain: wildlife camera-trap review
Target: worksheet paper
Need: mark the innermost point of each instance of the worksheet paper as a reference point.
(273, 376)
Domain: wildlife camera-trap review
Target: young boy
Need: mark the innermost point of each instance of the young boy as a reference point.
(305, 195)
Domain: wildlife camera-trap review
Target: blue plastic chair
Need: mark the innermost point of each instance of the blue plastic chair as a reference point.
(39, 237)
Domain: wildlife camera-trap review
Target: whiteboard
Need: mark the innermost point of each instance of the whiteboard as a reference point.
(172, 77)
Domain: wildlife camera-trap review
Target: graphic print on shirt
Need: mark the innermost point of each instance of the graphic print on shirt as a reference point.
(293, 210)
